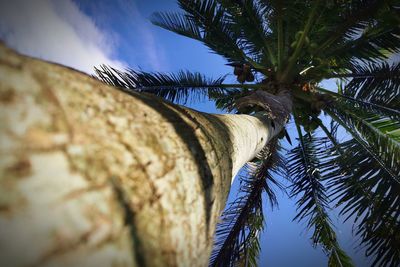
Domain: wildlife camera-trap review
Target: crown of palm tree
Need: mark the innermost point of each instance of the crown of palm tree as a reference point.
(276, 45)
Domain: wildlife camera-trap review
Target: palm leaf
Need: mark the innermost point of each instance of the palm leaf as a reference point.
(308, 173)
(178, 23)
(345, 22)
(376, 83)
(179, 88)
(362, 104)
(238, 233)
(248, 18)
(204, 21)
(378, 39)
(373, 45)
(379, 135)
(367, 194)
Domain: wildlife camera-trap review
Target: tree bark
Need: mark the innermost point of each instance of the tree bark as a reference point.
(93, 176)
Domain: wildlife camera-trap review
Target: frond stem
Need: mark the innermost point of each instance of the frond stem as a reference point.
(361, 75)
(359, 101)
(280, 43)
(242, 86)
(330, 137)
(298, 49)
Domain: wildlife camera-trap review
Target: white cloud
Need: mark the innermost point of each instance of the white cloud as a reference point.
(137, 38)
(57, 31)
(153, 52)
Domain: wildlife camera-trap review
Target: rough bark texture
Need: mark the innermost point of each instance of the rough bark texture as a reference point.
(93, 176)
(277, 107)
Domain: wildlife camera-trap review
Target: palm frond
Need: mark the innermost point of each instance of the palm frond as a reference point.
(379, 38)
(346, 20)
(362, 104)
(206, 21)
(248, 18)
(366, 194)
(307, 172)
(358, 31)
(238, 233)
(379, 135)
(375, 44)
(177, 23)
(376, 83)
(179, 88)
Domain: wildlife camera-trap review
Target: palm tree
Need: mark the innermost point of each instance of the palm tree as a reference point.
(280, 51)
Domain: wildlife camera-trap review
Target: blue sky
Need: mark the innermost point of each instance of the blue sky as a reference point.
(86, 33)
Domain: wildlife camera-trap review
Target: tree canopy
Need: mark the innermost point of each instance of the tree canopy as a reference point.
(275, 45)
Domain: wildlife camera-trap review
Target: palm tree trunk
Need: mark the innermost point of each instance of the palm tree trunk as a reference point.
(93, 176)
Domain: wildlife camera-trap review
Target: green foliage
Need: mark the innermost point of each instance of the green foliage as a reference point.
(379, 135)
(376, 83)
(307, 170)
(181, 87)
(242, 222)
(246, 17)
(373, 38)
(204, 21)
(367, 193)
(362, 104)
